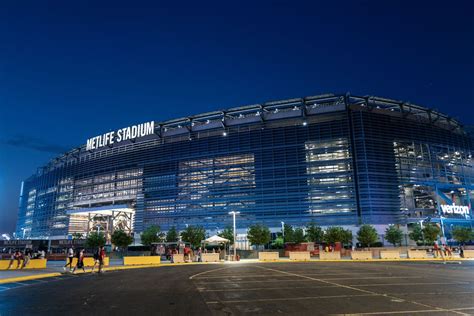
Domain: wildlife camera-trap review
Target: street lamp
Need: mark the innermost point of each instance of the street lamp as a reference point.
(233, 213)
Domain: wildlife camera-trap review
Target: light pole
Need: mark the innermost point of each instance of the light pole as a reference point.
(442, 228)
(233, 213)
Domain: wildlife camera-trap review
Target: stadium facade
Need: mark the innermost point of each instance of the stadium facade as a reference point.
(331, 159)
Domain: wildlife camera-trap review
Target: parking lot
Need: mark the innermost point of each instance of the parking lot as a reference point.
(371, 288)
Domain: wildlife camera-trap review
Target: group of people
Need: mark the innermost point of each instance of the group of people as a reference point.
(190, 255)
(99, 257)
(25, 256)
(442, 250)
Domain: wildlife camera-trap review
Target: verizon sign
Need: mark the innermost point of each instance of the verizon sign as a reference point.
(455, 209)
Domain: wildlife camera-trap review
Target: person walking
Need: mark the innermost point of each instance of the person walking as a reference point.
(70, 257)
(26, 258)
(101, 258)
(96, 259)
(80, 261)
(15, 256)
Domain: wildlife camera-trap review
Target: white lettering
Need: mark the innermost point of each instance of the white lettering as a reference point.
(455, 209)
(122, 134)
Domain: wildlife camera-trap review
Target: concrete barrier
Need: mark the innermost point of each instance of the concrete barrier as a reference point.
(178, 258)
(210, 257)
(300, 255)
(389, 254)
(33, 264)
(268, 256)
(417, 254)
(88, 262)
(138, 260)
(336, 255)
(361, 255)
(468, 253)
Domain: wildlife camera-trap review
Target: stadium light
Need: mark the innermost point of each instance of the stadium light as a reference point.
(233, 213)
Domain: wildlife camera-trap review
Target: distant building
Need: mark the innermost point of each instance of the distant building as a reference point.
(331, 159)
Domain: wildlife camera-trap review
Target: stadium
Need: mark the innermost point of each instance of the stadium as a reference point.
(330, 159)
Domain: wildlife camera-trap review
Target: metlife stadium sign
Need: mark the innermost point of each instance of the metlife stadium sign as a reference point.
(126, 133)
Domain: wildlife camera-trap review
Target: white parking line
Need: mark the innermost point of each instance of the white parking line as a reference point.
(292, 298)
(223, 276)
(266, 288)
(410, 284)
(209, 271)
(362, 290)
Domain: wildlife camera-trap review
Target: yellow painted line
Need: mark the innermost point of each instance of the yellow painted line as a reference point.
(29, 277)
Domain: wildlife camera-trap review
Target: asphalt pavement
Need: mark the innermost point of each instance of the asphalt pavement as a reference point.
(313, 288)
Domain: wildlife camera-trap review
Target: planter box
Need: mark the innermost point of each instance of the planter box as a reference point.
(33, 264)
(336, 255)
(361, 255)
(389, 254)
(139, 260)
(417, 254)
(178, 258)
(468, 253)
(88, 262)
(300, 255)
(210, 257)
(268, 256)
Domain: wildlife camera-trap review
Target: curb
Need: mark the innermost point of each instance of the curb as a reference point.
(29, 277)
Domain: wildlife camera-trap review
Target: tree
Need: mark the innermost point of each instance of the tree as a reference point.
(172, 235)
(347, 237)
(431, 233)
(314, 233)
(394, 235)
(95, 240)
(417, 234)
(194, 235)
(288, 233)
(367, 235)
(228, 233)
(462, 234)
(121, 239)
(298, 235)
(278, 243)
(150, 235)
(258, 234)
(337, 234)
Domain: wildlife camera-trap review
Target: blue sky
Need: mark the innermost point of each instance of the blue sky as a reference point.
(72, 70)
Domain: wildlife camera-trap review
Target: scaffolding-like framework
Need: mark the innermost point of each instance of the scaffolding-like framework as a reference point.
(270, 111)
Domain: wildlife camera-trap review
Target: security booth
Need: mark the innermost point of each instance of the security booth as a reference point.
(215, 241)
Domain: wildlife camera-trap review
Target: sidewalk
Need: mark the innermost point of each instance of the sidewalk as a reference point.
(52, 267)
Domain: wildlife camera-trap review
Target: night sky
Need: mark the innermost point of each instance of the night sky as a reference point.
(70, 70)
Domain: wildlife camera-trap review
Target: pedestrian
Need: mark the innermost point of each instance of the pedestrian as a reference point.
(15, 256)
(26, 258)
(187, 253)
(448, 251)
(101, 259)
(70, 257)
(199, 257)
(96, 258)
(80, 261)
